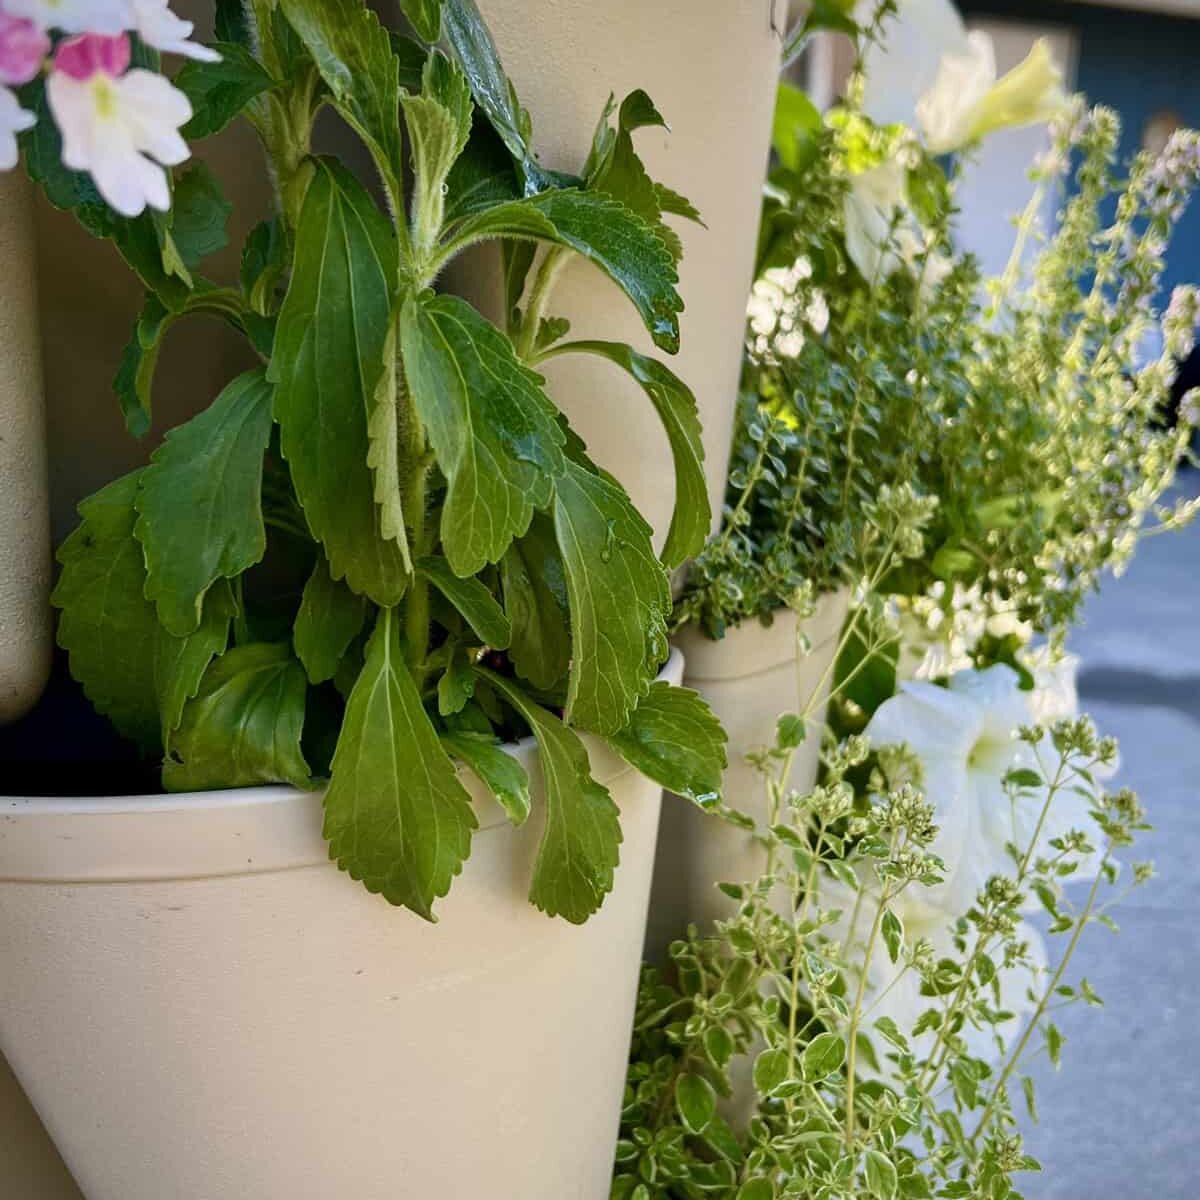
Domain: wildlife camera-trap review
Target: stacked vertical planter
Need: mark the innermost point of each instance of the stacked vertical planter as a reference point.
(196, 1000)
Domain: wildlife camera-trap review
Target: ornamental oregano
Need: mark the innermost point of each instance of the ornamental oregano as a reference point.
(383, 553)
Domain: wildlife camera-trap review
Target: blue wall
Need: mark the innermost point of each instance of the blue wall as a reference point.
(1139, 64)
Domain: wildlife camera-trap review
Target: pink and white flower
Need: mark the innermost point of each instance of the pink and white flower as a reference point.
(120, 125)
(13, 119)
(23, 49)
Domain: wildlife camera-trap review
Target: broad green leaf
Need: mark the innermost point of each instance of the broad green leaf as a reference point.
(771, 1068)
(472, 599)
(882, 1180)
(354, 56)
(106, 625)
(331, 616)
(580, 848)
(822, 1056)
(676, 408)
(220, 91)
(499, 772)
(200, 501)
(536, 601)
(620, 599)
(495, 434)
(471, 42)
(439, 124)
(330, 355)
(696, 1102)
(674, 739)
(244, 726)
(396, 815)
(679, 206)
(797, 122)
(180, 662)
(622, 244)
(425, 16)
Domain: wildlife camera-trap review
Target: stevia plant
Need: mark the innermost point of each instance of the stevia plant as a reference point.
(383, 553)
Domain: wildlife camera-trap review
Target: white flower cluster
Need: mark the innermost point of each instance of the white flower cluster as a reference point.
(119, 123)
(940, 630)
(781, 307)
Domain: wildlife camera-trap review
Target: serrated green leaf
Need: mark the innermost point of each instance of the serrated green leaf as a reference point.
(620, 599)
(497, 770)
(439, 124)
(244, 726)
(330, 617)
(605, 232)
(535, 599)
(617, 171)
(384, 450)
(467, 34)
(495, 434)
(106, 625)
(882, 1180)
(472, 599)
(425, 16)
(676, 407)
(696, 1102)
(580, 848)
(231, 23)
(482, 177)
(180, 662)
(330, 355)
(396, 815)
(822, 1056)
(674, 739)
(200, 501)
(354, 55)
(672, 202)
(220, 91)
(199, 214)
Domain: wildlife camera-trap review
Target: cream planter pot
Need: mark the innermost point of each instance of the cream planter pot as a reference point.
(712, 69)
(201, 1005)
(25, 645)
(750, 679)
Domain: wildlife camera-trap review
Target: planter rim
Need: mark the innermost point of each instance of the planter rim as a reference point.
(199, 835)
(752, 648)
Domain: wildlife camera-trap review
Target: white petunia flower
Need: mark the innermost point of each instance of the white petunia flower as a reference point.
(159, 27)
(119, 125)
(74, 16)
(893, 989)
(13, 120)
(965, 738)
(929, 73)
(873, 208)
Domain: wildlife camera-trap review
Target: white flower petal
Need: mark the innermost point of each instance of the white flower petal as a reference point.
(74, 16)
(905, 66)
(159, 27)
(930, 720)
(13, 119)
(947, 112)
(154, 109)
(997, 690)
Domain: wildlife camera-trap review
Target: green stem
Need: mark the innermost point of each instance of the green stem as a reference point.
(539, 297)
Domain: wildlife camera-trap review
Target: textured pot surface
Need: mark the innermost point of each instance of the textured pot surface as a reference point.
(750, 678)
(200, 1005)
(25, 645)
(712, 70)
